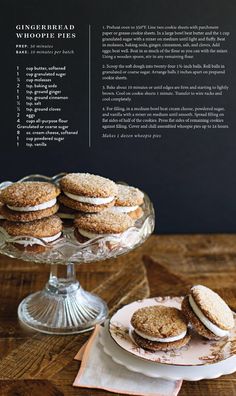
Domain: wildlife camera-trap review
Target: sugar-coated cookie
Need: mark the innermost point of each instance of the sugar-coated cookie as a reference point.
(88, 226)
(128, 201)
(159, 328)
(28, 201)
(208, 313)
(48, 229)
(87, 193)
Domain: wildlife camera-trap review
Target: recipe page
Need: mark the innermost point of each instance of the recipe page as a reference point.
(141, 92)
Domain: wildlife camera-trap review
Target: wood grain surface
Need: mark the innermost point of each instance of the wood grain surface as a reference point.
(33, 364)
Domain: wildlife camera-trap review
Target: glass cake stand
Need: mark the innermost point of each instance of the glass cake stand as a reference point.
(63, 306)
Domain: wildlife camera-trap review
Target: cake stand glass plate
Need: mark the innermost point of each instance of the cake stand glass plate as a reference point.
(64, 307)
(165, 371)
(198, 352)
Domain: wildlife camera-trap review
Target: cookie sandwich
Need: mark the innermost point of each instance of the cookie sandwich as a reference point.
(87, 193)
(128, 201)
(208, 313)
(89, 226)
(29, 201)
(48, 230)
(158, 328)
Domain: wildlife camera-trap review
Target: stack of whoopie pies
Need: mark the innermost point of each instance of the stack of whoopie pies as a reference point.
(160, 327)
(98, 205)
(29, 209)
(95, 205)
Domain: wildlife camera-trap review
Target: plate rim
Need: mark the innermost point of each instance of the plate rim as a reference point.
(172, 377)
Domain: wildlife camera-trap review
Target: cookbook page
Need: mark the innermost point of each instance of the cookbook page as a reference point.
(137, 91)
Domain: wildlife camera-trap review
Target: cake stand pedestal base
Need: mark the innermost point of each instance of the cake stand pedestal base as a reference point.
(63, 307)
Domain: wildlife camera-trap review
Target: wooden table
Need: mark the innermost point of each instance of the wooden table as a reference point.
(34, 364)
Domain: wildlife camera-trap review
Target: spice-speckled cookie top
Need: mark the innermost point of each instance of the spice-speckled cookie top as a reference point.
(104, 222)
(128, 196)
(46, 227)
(86, 184)
(23, 194)
(213, 306)
(159, 321)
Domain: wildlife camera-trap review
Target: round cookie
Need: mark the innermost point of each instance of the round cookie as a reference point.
(23, 194)
(87, 193)
(29, 201)
(129, 196)
(159, 328)
(93, 225)
(48, 229)
(128, 201)
(88, 185)
(196, 323)
(208, 313)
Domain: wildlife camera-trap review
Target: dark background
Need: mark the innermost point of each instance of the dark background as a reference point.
(190, 177)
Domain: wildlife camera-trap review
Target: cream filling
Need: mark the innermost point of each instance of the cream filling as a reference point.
(124, 209)
(2, 218)
(66, 215)
(34, 241)
(209, 325)
(167, 339)
(44, 205)
(89, 200)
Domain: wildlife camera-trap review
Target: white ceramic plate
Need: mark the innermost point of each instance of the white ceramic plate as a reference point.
(199, 351)
(156, 370)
